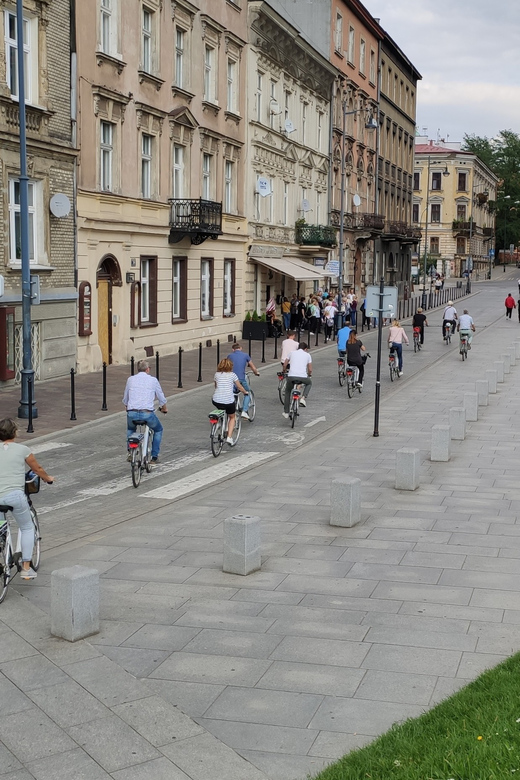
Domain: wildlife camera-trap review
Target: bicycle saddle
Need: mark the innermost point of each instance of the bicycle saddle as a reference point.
(5, 508)
(140, 422)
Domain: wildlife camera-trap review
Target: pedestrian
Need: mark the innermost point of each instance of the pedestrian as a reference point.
(353, 311)
(139, 398)
(224, 397)
(286, 313)
(301, 313)
(510, 305)
(294, 312)
(396, 336)
(328, 319)
(354, 356)
(419, 321)
(242, 361)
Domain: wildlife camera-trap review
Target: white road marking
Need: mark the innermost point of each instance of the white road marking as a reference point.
(208, 477)
(49, 445)
(314, 422)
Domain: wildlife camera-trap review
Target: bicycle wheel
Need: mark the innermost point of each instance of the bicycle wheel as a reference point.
(236, 430)
(294, 411)
(342, 377)
(35, 557)
(136, 466)
(391, 372)
(216, 437)
(350, 385)
(252, 406)
(148, 456)
(5, 566)
(415, 345)
(282, 388)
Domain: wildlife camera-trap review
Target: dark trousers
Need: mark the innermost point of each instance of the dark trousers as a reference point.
(509, 311)
(361, 369)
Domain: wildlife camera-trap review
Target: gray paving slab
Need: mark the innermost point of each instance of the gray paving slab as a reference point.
(370, 717)
(331, 652)
(32, 672)
(191, 698)
(256, 736)
(236, 643)
(279, 766)
(106, 681)
(413, 660)
(395, 687)
(157, 721)
(137, 661)
(72, 764)
(112, 743)
(312, 678)
(225, 670)
(68, 704)
(270, 707)
(334, 745)
(205, 757)
(30, 735)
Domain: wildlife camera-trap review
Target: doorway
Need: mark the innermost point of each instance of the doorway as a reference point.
(108, 275)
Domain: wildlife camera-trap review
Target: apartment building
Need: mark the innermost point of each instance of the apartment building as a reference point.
(452, 189)
(50, 164)
(161, 107)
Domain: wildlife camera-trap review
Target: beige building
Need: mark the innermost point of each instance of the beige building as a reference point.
(161, 218)
(450, 207)
(50, 164)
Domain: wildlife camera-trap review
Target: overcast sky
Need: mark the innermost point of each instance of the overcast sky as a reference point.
(468, 52)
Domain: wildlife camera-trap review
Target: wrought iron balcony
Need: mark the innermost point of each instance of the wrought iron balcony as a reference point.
(196, 218)
(462, 228)
(373, 223)
(395, 228)
(315, 235)
(488, 231)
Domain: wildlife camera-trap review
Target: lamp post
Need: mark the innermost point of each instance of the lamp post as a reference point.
(444, 173)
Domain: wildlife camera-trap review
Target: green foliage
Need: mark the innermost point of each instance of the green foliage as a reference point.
(247, 318)
(255, 316)
(263, 318)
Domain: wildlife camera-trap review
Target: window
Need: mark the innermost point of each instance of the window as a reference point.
(206, 288)
(272, 104)
(461, 212)
(285, 203)
(362, 56)
(229, 288)
(436, 181)
(462, 182)
(179, 289)
(106, 26)
(270, 203)
(417, 181)
(207, 176)
(146, 165)
(434, 245)
(106, 156)
(318, 208)
(436, 212)
(180, 51)
(287, 104)
(304, 122)
(351, 43)
(372, 76)
(229, 188)
(338, 34)
(461, 246)
(148, 312)
(209, 75)
(259, 85)
(320, 131)
(30, 54)
(232, 86)
(415, 212)
(146, 40)
(15, 231)
(178, 171)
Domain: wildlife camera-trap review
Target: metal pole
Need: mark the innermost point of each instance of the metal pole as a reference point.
(218, 351)
(27, 369)
(179, 383)
(104, 406)
(30, 428)
(132, 365)
(341, 247)
(157, 366)
(275, 356)
(199, 378)
(378, 362)
(263, 347)
(423, 302)
(72, 395)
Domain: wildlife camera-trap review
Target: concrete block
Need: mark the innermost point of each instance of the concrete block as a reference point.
(512, 352)
(407, 469)
(506, 358)
(441, 440)
(242, 552)
(74, 602)
(458, 423)
(517, 348)
(345, 502)
(482, 388)
(471, 406)
(499, 368)
(492, 378)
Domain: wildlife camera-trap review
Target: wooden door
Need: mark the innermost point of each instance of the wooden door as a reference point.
(104, 323)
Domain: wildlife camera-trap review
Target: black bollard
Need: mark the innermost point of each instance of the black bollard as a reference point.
(72, 395)
(249, 347)
(132, 365)
(309, 335)
(199, 378)
(317, 336)
(104, 406)
(263, 347)
(179, 383)
(275, 356)
(299, 334)
(157, 366)
(30, 428)
(218, 351)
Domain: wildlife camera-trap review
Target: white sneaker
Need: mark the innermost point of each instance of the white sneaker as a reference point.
(303, 402)
(245, 415)
(229, 441)
(286, 415)
(28, 574)
(400, 373)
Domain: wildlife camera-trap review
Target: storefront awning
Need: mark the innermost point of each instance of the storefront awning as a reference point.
(296, 269)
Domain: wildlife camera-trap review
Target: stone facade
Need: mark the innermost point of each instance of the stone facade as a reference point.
(50, 163)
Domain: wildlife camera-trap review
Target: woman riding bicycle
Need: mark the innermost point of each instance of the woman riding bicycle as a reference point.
(15, 459)
(419, 321)
(224, 397)
(396, 336)
(354, 356)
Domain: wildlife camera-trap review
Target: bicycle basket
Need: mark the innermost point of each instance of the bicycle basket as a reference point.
(32, 483)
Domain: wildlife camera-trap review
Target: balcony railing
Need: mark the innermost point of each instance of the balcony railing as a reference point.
(396, 228)
(488, 231)
(359, 221)
(315, 235)
(196, 218)
(460, 226)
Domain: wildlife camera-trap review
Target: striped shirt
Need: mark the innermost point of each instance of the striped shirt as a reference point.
(224, 390)
(140, 392)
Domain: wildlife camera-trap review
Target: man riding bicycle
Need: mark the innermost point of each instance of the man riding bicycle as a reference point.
(466, 327)
(139, 399)
(241, 361)
(419, 321)
(449, 316)
(300, 372)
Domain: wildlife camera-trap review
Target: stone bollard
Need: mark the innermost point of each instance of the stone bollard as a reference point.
(471, 406)
(512, 353)
(441, 439)
(517, 348)
(507, 363)
(74, 603)
(482, 388)
(345, 502)
(407, 469)
(499, 367)
(458, 423)
(492, 379)
(242, 550)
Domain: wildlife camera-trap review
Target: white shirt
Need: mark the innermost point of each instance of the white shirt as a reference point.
(288, 347)
(465, 322)
(225, 381)
(299, 362)
(450, 313)
(141, 391)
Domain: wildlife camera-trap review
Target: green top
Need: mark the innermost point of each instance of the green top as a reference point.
(12, 466)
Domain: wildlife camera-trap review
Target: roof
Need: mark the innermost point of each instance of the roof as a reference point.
(435, 149)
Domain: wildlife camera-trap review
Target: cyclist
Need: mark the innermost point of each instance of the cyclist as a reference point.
(419, 321)
(466, 326)
(450, 316)
(139, 397)
(354, 356)
(300, 372)
(396, 336)
(342, 338)
(224, 397)
(241, 361)
(15, 459)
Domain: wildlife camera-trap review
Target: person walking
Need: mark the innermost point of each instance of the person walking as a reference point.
(419, 321)
(328, 319)
(510, 305)
(242, 361)
(354, 356)
(139, 398)
(300, 372)
(294, 312)
(224, 397)
(286, 313)
(396, 336)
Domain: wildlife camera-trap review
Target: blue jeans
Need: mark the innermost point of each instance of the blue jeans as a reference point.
(22, 515)
(152, 421)
(287, 320)
(353, 317)
(399, 349)
(245, 385)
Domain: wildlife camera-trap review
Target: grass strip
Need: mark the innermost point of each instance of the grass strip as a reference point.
(473, 735)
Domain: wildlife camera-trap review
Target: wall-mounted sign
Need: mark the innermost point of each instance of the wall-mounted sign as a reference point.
(289, 127)
(85, 309)
(60, 205)
(263, 186)
(306, 206)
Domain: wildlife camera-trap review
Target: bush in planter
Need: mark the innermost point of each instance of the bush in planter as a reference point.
(247, 318)
(255, 316)
(263, 318)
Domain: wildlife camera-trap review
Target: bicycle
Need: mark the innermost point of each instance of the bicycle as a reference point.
(416, 339)
(393, 363)
(282, 385)
(342, 377)
(447, 333)
(11, 558)
(251, 410)
(295, 404)
(219, 427)
(140, 447)
(464, 343)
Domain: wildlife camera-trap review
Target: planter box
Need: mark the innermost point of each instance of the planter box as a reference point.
(254, 330)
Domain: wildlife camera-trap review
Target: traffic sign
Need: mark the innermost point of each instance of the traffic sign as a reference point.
(389, 301)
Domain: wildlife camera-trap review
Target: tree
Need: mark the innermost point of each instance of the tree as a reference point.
(502, 155)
